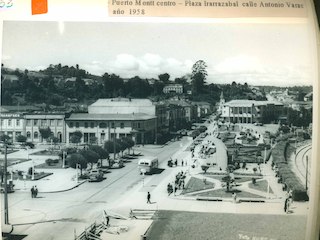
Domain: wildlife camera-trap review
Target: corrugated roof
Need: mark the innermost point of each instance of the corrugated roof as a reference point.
(105, 102)
(101, 117)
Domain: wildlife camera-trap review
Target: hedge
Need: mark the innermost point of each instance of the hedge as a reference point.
(287, 176)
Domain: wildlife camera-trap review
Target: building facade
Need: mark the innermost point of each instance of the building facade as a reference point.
(251, 111)
(12, 124)
(115, 118)
(173, 88)
(34, 122)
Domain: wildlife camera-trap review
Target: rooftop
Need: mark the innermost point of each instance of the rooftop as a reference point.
(249, 103)
(103, 117)
(121, 102)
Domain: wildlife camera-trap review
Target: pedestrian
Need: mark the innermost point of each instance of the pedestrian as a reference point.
(176, 162)
(182, 163)
(35, 191)
(32, 192)
(234, 196)
(148, 197)
(107, 220)
(286, 205)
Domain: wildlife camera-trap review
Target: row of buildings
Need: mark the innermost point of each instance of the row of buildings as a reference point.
(141, 119)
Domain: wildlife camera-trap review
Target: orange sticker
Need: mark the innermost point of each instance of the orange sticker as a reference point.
(39, 6)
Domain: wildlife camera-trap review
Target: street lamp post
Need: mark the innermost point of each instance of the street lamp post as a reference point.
(63, 159)
(32, 176)
(6, 208)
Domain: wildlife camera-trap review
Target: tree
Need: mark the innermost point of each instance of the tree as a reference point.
(204, 168)
(129, 143)
(100, 151)
(110, 146)
(21, 139)
(198, 76)
(77, 158)
(76, 137)
(45, 133)
(90, 156)
(164, 78)
(5, 138)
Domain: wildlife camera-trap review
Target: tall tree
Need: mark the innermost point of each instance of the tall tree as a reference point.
(164, 78)
(198, 76)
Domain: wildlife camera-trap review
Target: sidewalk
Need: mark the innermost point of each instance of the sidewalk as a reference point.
(61, 180)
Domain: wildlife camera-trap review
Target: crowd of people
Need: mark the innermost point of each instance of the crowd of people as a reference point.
(179, 183)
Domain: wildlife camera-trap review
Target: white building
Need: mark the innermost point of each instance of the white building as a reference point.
(173, 88)
(116, 117)
(250, 111)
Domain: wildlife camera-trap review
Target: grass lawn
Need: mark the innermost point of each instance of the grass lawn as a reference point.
(47, 152)
(196, 184)
(261, 186)
(238, 179)
(221, 193)
(175, 225)
(52, 166)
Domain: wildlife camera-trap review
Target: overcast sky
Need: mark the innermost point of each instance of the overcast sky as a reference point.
(259, 54)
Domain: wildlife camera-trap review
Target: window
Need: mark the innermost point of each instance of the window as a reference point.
(86, 125)
(35, 135)
(92, 124)
(122, 125)
(28, 123)
(1, 122)
(35, 122)
(112, 125)
(139, 125)
(77, 124)
(102, 125)
(51, 122)
(9, 122)
(28, 135)
(18, 122)
(71, 124)
(59, 122)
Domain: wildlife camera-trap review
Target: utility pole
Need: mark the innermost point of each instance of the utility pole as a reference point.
(114, 141)
(6, 208)
(307, 173)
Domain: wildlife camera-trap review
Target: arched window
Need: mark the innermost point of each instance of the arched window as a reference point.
(28, 134)
(35, 135)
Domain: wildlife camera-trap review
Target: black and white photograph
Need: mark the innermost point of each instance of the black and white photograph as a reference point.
(156, 131)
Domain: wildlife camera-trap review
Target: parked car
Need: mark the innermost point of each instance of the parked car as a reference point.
(95, 175)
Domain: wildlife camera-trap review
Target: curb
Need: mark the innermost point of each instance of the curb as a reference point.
(57, 191)
(65, 190)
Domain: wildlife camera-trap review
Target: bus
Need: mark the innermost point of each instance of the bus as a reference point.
(148, 165)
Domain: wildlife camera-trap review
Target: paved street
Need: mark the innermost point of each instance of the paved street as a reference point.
(59, 215)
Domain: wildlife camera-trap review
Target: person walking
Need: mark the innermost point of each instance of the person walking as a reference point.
(285, 205)
(107, 220)
(35, 191)
(148, 197)
(32, 192)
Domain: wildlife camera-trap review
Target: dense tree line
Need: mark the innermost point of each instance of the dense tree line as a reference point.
(49, 86)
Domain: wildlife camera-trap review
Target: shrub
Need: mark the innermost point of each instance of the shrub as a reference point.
(49, 161)
(204, 168)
